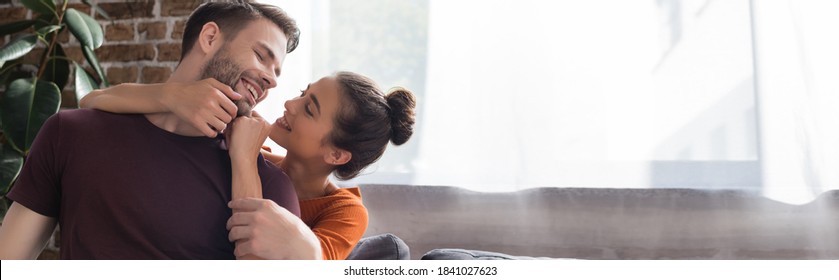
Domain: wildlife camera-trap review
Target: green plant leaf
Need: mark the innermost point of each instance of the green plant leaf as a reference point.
(40, 6)
(4, 207)
(43, 31)
(26, 106)
(18, 48)
(58, 68)
(97, 9)
(14, 72)
(94, 62)
(14, 27)
(10, 75)
(84, 83)
(85, 28)
(11, 162)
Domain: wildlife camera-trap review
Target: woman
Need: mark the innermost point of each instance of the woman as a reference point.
(339, 125)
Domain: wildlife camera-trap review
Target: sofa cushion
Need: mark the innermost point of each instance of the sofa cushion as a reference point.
(463, 254)
(380, 247)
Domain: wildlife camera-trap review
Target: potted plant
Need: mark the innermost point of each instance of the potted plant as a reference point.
(33, 90)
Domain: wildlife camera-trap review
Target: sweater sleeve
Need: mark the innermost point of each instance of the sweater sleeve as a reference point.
(340, 225)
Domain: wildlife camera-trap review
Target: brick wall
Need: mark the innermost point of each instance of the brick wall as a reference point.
(142, 44)
(142, 39)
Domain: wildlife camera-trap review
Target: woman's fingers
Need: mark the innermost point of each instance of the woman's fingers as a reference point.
(208, 130)
(227, 109)
(225, 89)
(217, 124)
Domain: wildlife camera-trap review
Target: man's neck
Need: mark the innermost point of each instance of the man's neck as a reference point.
(172, 123)
(169, 121)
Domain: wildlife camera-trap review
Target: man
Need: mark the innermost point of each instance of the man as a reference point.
(151, 186)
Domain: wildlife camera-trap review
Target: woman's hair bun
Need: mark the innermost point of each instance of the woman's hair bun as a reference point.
(401, 102)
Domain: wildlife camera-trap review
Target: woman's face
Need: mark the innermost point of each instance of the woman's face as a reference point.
(308, 119)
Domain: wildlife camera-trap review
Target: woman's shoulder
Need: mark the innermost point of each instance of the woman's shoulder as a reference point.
(339, 204)
(340, 198)
(354, 192)
(343, 195)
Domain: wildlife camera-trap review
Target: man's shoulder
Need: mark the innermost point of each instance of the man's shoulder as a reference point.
(270, 172)
(87, 117)
(277, 186)
(87, 114)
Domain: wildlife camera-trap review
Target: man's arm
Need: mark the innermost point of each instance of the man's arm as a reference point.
(24, 233)
(270, 231)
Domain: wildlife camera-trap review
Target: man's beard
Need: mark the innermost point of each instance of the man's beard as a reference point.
(223, 69)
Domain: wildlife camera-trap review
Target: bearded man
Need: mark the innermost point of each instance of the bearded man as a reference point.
(153, 186)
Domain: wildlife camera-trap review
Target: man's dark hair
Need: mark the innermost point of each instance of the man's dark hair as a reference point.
(231, 17)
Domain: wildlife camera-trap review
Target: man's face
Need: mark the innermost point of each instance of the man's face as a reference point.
(222, 68)
(250, 63)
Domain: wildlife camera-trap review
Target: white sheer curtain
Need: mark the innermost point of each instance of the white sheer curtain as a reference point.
(797, 53)
(595, 93)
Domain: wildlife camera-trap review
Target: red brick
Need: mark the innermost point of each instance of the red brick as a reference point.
(153, 74)
(12, 14)
(178, 7)
(64, 36)
(34, 56)
(118, 75)
(178, 30)
(75, 53)
(119, 32)
(84, 9)
(127, 10)
(152, 30)
(126, 52)
(68, 100)
(168, 52)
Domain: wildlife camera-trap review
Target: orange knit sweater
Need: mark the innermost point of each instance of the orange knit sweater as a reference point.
(338, 220)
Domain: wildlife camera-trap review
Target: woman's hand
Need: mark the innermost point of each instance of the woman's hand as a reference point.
(206, 104)
(246, 135)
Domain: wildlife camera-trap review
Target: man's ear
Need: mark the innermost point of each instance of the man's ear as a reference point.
(337, 156)
(210, 39)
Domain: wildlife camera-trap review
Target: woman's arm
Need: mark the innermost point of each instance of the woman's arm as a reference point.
(246, 136)
(205, 104)
(127, 98)
(246, 182)
(245, 139)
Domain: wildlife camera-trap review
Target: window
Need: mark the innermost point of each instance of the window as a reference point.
(520, 94)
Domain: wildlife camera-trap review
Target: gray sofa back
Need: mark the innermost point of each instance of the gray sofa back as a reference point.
(606, 223)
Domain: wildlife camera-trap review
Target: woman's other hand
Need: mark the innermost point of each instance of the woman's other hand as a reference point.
(246, 136)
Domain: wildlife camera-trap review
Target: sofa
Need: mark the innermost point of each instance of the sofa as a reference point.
(440, 222)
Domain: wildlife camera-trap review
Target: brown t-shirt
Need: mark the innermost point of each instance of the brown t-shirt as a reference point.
(122, 188)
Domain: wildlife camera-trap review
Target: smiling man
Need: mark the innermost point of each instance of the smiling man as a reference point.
(152, 186)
